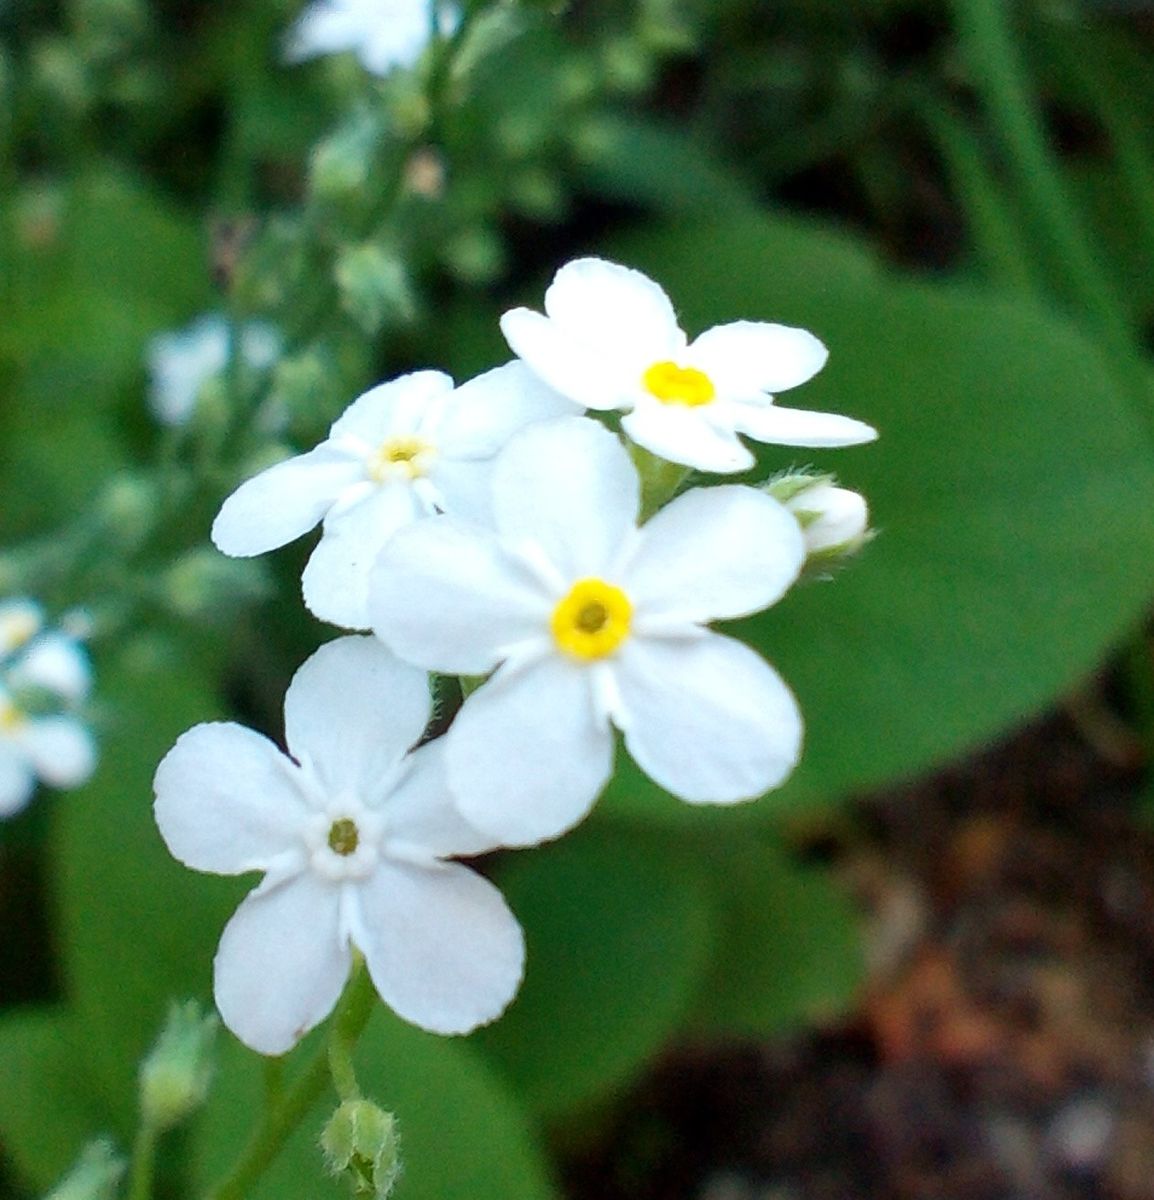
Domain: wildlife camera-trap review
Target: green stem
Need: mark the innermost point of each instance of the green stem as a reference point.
(987, 38)
(282, 1119)
(143, 1162)
(346, 1028)
(660, 479)
(992, 223)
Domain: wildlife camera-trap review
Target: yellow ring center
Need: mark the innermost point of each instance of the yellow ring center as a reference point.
(672, 384)
(400, 458)
(592, 620)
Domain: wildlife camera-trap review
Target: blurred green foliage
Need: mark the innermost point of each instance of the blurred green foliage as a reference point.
(959, 201)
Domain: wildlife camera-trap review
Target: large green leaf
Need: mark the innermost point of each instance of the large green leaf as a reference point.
(47, 1105)
(619, 931)
(789, 950)
(462, 1133)
(1013, 485)
(136, 928)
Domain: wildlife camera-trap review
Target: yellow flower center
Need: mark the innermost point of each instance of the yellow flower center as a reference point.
(672, 384)
(11, 718)
(344, 837)
(401, 458)
(592, 620)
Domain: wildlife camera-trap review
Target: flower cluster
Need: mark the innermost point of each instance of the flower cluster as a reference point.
(44, 679)
(495, 530)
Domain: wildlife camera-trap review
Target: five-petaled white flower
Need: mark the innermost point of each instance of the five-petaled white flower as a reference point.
(353, 837)
(182, 361)
(404, 449)
(382, 33)
(44, 676)
(592, 622)
(609, 339)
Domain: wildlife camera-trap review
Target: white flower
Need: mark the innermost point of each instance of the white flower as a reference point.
(592, 622)
(45, 674)
(405, 449)
(20, 620)
(834, 520)
(382, 33)
(352, 836)
(181, 362)
(609, 339)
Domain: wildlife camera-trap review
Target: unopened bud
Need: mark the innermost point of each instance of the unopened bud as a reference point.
(374, 287)
(205, 586)
(360, 1142)
(340, 164)
(834, 520)
(174, 1078)
(94, 1177)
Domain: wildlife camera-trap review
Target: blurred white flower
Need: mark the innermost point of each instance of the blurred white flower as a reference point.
(407, 448)
(594, 623)
(834, 520)
(382, 33)
(181, 362)
(353, 833)
(609, 339)
(44, 675)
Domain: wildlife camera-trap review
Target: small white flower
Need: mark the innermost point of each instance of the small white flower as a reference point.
(834, 520)
(405, 449)
(181, 362)
(352, 833)
(21, 620)
(44, 676)
(592, 622)
(609, 339)
(382, 33)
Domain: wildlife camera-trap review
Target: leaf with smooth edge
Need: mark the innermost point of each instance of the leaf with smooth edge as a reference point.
(136, 928)
(1012, 484)
(47, 1105)
(618, 937)
(462, 1132)
(789, 950)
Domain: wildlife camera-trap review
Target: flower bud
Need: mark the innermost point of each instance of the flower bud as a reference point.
(94, 1177)
(833, 520)
(360, 1141)
(374, 287)
(174, 1078)
(205, 586)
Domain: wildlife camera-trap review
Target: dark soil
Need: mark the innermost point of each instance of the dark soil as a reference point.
(1004, 1047)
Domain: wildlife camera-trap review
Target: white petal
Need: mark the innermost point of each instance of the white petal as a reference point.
(448, 597)
(605, 304)
(798, 427)
(747, 357)
(707, 718)
(714, 553)
(569, 488)
(323, 28)
(396, 40)
(17, 780)
(528, 754)
(227, 800)
(422, 812)
(335, 582)
(682, 435)
(282, 963)
(352, 711)
(60, 749)
(464, 489)
(585, 374)
(400, 406)
(283, 502)
(20, 621)
(441, 945)
(59, 664)
(483, 414)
